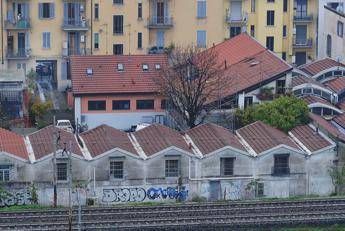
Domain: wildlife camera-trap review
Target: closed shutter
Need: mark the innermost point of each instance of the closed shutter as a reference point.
(201, 38)
(52, 10)
(63, 70)
(40, 10)
(201, 9)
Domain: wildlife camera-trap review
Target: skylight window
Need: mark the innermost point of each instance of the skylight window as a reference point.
(145, 67)
(120, 67)
(89, 71)
(157, 66)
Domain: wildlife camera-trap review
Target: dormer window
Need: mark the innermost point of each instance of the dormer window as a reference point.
(145, 67)
(120, 67)
(89, 71)
(157, 66)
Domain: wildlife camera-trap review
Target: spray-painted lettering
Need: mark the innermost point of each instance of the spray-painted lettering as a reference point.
(22, 197)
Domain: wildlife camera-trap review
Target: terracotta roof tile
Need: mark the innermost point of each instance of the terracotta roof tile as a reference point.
(210, 137)
(299, 80)
(104, 138)
(156, 138)
(262, 137)
(310, 138)
(340, 120)
(42, 142)
(107, 79)
(337, 85)
(311, 99)
(319, 65)
(13, 143)
(327, 126)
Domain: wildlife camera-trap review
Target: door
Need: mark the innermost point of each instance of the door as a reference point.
(301, 34)
(301, 58)
(71, 43)
(160, 12)
(21, 44)
(10, 44)
(160, 39)
(236, 11)
(214, 190)
(248, 101)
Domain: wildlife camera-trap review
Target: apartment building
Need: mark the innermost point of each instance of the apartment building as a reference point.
(43, 34)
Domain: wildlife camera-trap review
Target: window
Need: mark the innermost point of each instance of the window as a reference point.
(46, 10)
(145, 104)
(248, 100)
(140, 10)
(252, 30)
(116, 169)
(120, 67)
(171, 168)
(5, 172)
(252, 6)
(317, 91)
(227, 166)
(89, 71)
(96, 41)
(140, 40)
(163, 104)
(46, 40)
(235, 31)
(118, 49)
(284, 56)
(260, 189)
(340, 29)
(96, 11)
(201, 38)
(284, 31)
(117, 1)
(329, 46)
(201, 9)
(281, 164)
(270, 0)
(96, 105)
(270, 18)
(61, 170)
(307, 90)
(280, 86)
(285, 5)
(145, 67)
(121, 104)
(118, 24)
(157, 66)
(270, 43)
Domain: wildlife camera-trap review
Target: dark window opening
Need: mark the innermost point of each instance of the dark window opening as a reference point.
(121, 104)
(281, 165)
(116, 169)
(118, 49)
(145, 104)
(118, 24)
(270, 18)
(97, 105)
(227, 166)
(61, 169)
(171, 168)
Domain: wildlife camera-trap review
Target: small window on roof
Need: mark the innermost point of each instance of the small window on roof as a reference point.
(145, 67)
(120, 67)
(89, 71)
(157, 66)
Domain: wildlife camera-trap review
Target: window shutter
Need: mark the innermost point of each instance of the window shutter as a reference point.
(44, 39)
(199, 9)
(63, 70)
(40, 10)
(52, 10)
(48, 39)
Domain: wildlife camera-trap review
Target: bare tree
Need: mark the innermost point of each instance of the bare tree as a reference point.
(190, 81)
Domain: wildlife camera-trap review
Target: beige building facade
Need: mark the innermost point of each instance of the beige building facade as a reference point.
(42, 34)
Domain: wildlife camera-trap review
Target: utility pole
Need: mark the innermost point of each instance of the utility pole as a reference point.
(54, 163)
(2, 31)
(70, 186)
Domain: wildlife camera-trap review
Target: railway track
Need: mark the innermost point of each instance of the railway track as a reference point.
(208, 216)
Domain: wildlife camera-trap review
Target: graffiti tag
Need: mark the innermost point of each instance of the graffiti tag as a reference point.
(169, 192)
(22, 197)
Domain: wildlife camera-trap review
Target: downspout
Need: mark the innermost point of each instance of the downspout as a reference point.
(91, 25)
(2, 32)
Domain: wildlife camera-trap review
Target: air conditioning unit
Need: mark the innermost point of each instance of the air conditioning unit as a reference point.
(82, 38)
(293, 59)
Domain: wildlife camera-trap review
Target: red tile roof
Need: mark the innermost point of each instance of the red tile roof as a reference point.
(340, 120)
(104, 138)
(299, 80)
(42, 142)
(310, 99)
(262, 137)
(319, 65)
(312, 140)
(107, 79)
(210, 137)
(341, 105)
(156, 138)
(248, 64)
(327, 126)
(337, 85)
(13, 143)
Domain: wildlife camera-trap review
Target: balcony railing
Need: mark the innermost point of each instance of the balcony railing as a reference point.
(21, 24)
(75, 24)
(160, 22)
(19, 54)
(303, 43)
(236, 19)
(280, 171)
(303, 17)
(72, 51)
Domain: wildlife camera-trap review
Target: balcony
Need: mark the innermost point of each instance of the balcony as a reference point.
(280, 171)
(303, 17)
(303, 43)
(72, 51)
(19, 54)
(236, 19)
(160, 22)
(22, 24)
(75, 25)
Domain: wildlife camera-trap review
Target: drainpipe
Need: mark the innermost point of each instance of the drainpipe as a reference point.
(2, 32)
(91, 25)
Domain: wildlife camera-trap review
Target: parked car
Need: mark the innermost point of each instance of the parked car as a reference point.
(65, 125)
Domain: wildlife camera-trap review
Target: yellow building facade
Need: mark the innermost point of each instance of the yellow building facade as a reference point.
(42, 34)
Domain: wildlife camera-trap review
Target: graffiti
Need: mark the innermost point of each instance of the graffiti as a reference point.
(116, 195)
(22, 197)
(238, 191)
(169, 192)
(124, 195)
